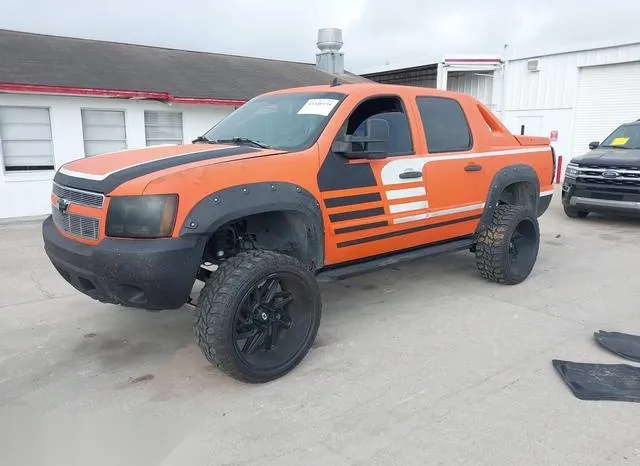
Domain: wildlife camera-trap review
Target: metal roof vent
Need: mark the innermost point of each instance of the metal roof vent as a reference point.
(533, 65)
(330, 58)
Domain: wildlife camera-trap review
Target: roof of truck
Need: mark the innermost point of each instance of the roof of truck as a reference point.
(372, 87)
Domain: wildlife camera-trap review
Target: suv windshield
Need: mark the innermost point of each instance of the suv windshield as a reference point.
(624, 137)
(282, 121)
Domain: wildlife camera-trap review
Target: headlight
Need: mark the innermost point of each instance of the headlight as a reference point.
(141, 216)
(572, 171)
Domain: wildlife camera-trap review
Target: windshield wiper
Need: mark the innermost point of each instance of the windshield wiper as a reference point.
(201, 139)
(241, 141)
(616, 147)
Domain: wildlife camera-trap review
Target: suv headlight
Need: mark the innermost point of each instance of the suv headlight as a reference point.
(572, 171)
(141, 216)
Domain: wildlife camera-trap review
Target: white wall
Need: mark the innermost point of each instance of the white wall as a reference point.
(27, 194)
(476, 83)
(552, 91)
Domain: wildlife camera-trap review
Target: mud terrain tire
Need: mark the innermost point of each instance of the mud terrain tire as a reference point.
(229, 306)
(507, 250)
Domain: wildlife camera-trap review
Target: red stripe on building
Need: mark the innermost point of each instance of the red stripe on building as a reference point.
(114, 93)
(206, 101)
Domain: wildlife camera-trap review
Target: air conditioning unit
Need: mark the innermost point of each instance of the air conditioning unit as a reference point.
(533, 65)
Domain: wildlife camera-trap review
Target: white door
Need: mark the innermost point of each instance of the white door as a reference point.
(608, 96)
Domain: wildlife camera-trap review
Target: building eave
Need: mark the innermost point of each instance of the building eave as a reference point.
(482, 60)
(114, 93)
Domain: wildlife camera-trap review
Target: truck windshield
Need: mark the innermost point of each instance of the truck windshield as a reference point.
(282, 121)
(624, 137)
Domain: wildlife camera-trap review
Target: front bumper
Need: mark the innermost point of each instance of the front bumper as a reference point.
(603, 199)
(148, 274)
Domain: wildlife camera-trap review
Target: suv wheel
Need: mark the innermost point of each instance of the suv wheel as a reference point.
(574, 213)
(258, 315)
(507, 250)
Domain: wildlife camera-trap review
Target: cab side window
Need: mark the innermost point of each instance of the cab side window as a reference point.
(379, 112)
(445, 124)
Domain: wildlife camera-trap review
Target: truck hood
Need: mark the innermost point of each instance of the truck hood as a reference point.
(610, 157)
(103, 173)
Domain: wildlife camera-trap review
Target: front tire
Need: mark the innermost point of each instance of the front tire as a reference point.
(507, 250)
(258, 315)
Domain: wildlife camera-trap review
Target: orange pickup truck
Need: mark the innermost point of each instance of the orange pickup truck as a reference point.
(294, 187)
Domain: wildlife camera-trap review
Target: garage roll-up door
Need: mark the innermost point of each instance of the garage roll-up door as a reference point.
(608, 96)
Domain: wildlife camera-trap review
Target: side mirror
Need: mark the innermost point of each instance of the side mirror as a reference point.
(371, 146)
(353, 147)
(594, 145)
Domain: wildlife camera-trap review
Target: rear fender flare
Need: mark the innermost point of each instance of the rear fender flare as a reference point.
(512, 174)
(237, 202)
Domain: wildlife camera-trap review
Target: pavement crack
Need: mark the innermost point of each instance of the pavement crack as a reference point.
(38, 285)
(33, 301)
(542, 311)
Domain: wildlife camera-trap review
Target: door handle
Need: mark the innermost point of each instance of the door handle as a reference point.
(410, 174)
(473, 167)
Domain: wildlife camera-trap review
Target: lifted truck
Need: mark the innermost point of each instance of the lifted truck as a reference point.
(320, 182)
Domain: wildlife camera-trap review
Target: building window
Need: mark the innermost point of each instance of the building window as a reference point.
(25, 134)
(103, 131)
(162, 128)
(445, 125)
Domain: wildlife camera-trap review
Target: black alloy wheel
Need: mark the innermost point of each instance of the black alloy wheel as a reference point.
(272, 322)
(258, 315)
(523, 247)
(507, 249)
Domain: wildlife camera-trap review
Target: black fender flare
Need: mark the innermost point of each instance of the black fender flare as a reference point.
(503, 178)
(234, 203)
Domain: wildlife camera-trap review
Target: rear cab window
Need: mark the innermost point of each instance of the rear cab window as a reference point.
(445, 124)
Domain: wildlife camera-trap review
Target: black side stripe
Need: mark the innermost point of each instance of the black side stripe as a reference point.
(351, 200)
(369, 239)
(122, 176)
(337, 172)
(366, 226)
(356, 214)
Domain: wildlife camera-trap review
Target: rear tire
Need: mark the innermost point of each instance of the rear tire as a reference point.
(258, 315)
(507, 250)
(572, 212)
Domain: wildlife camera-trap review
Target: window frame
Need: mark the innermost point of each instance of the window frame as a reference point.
(45, 168)
(424, 131)
(144, 116)
(96, 109)
(404, 110)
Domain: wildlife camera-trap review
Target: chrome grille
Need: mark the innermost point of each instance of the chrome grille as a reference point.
(597, 175)
(78, 196)
(76, 225)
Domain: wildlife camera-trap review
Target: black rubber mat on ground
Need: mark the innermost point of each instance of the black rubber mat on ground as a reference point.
(622, 344)
(614, 382)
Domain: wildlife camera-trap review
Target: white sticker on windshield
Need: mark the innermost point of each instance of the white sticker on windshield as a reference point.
(318, 107)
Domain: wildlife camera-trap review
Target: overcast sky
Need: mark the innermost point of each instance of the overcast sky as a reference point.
(375, 32)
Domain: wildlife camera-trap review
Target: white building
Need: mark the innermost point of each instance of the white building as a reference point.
(66, 98)
(41, 132)
(573, 97)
